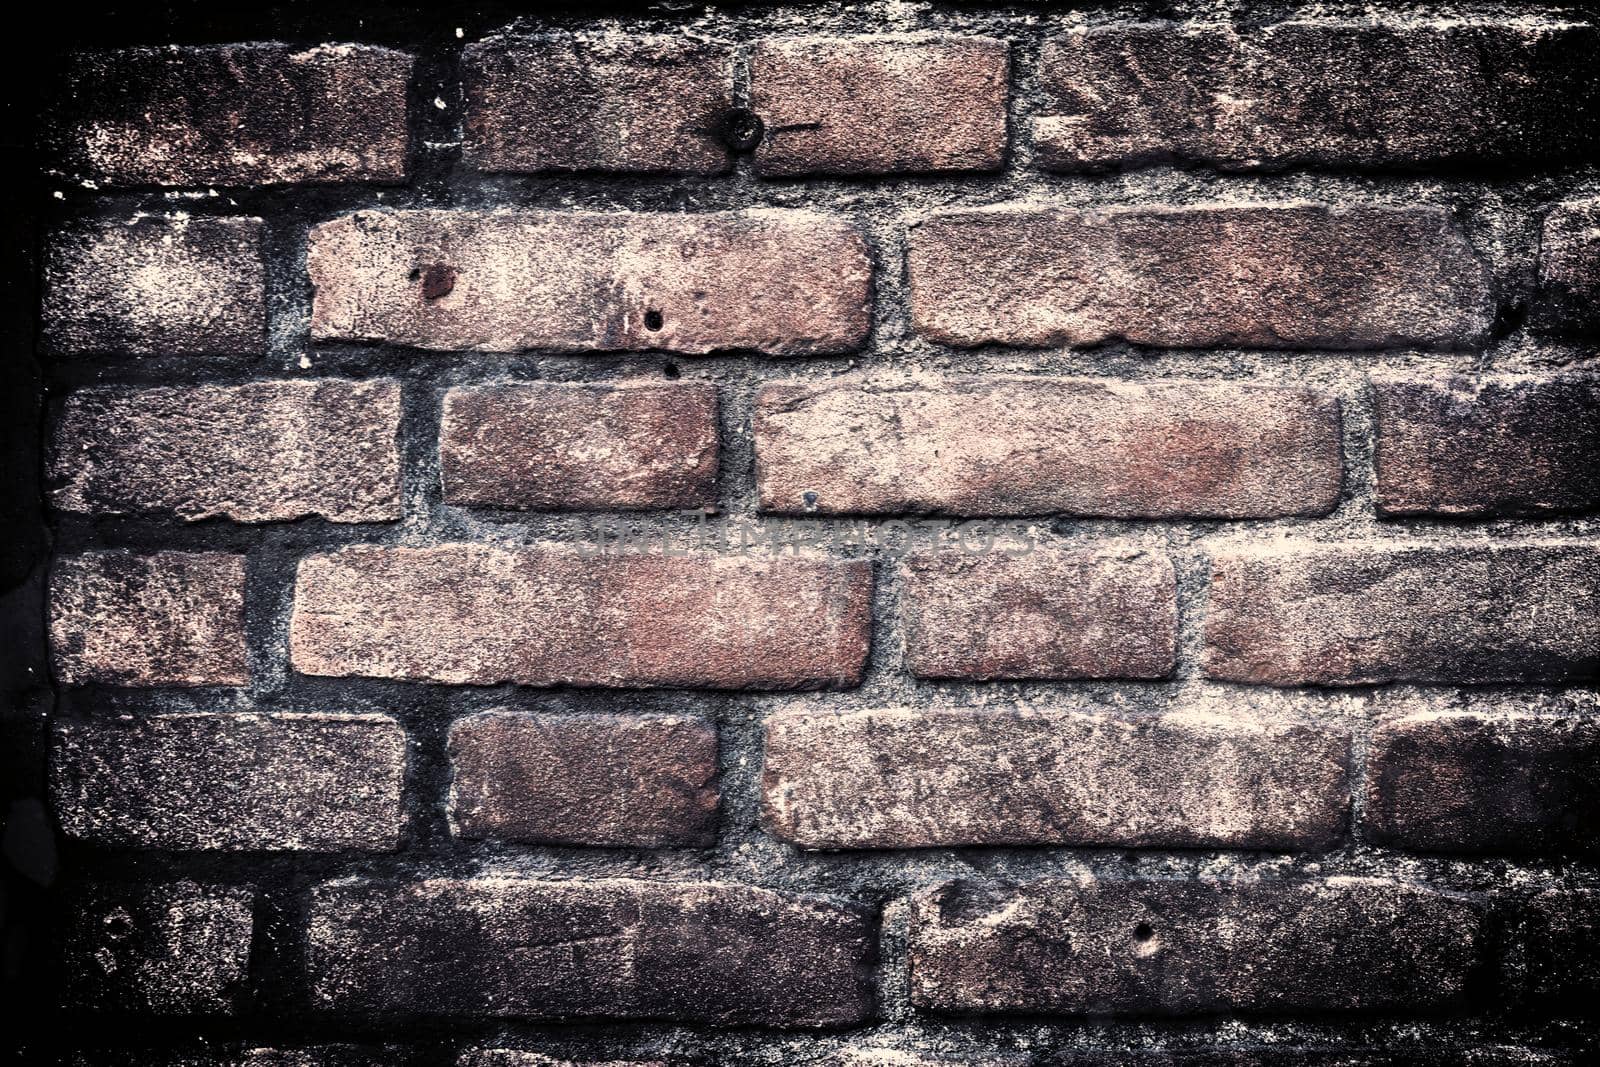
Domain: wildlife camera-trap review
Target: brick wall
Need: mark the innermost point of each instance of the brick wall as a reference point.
(892, 535)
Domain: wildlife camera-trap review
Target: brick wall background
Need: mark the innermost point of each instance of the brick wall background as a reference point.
(1161, 618)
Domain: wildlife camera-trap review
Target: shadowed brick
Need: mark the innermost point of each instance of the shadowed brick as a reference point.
(910, 778)
(1006, 445)
(482, 615)
(590, 281)
(505, 1057)
(1556, 938)
(1183, 948)
(1274, 275)
(709, 952)
(1569, 268)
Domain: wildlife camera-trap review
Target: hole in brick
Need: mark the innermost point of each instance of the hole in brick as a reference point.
(118, 925)
(809, 498)
(652, 319)
(671, 370)
(1143, 932)
(437, 281)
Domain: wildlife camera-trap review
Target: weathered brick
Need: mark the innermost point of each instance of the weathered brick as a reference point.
(1196, 947)
(571, 447)
(482, 614)
(156, 287)
(1054, 613)
(1279, 275)
(1001, 445)
(239, 114)
(508, 1057)
(880, 105)
(231, 781)
(1319, 94)
(1556, 939)
(171, 618)
(1287, 613)
(883, 1057)
(1490, 445)
(209, 1054)
(1462, 781)
(260, 452)
(171, 949)
(647, 781)
(711, 952)
(1569, 267)
(587, 281)
(912, 778)
(633, 104)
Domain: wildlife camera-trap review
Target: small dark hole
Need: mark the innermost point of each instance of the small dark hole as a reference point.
(119, 926)
(652, 319)
(809, 498)
(1143, 932)
(415, 275)
(671, 370)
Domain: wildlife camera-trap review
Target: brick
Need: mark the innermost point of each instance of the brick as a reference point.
(1569, 268)
(1008, 445)
(172, 949)
(1287, 613)
(1316, 94)
(1052, 614)
(208, 1055)
(1195, 947)
(170, 618)
(915, 778)
(708, 952)
(882, 1057)
(239, 114)
(589, 281)
(156, 287)
(508, 1057)
(880, 105)
(648, 781)
(1488, 445)
(652, 104)
(260, 452)
(1282, 275)
(1469, 782)
(481, 615)
(231, 781)
(1555, 936)
(574, 447)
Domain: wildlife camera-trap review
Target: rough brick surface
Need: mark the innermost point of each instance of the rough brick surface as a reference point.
(910, 778)
(231, 781)
(645, 781)
(156, 287)
(880, 105)
(587, 281)
(1322, 94)
(262, 452)
(170, 949)
(575, 447)
(171, 618)
(1001, 445)
(650, 104)
(480, 615)
(1493, 445)
(1558, 938)
(240, 114)
(1279, 275)
(708, 952)
(1181, 948)
(1470, 782)
(1054, 613)
(507, 1057)
(1569, 267)
(1291, 613)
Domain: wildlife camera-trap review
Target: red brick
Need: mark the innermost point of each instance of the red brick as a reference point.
(913, 778)
(880, 105)
(1316, 93)
(261, 452)
(481, 615)
(587, 281)
(1035, 446)
(709, 952)
(171, 949)
(648, 781)
(633, 104)
(575, 447)
(1463, 781)
(1569, 268)
(239, 114)
(1488, 445)
(1191, 947)
(230, 782)
(1053, 614)
(171, 618)
(1290, 613)
(156, 287)
(1286, 275)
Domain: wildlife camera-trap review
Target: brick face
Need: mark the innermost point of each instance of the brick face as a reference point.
(1569, 267)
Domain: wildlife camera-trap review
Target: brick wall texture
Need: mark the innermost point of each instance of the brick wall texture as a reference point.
(892, 535)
